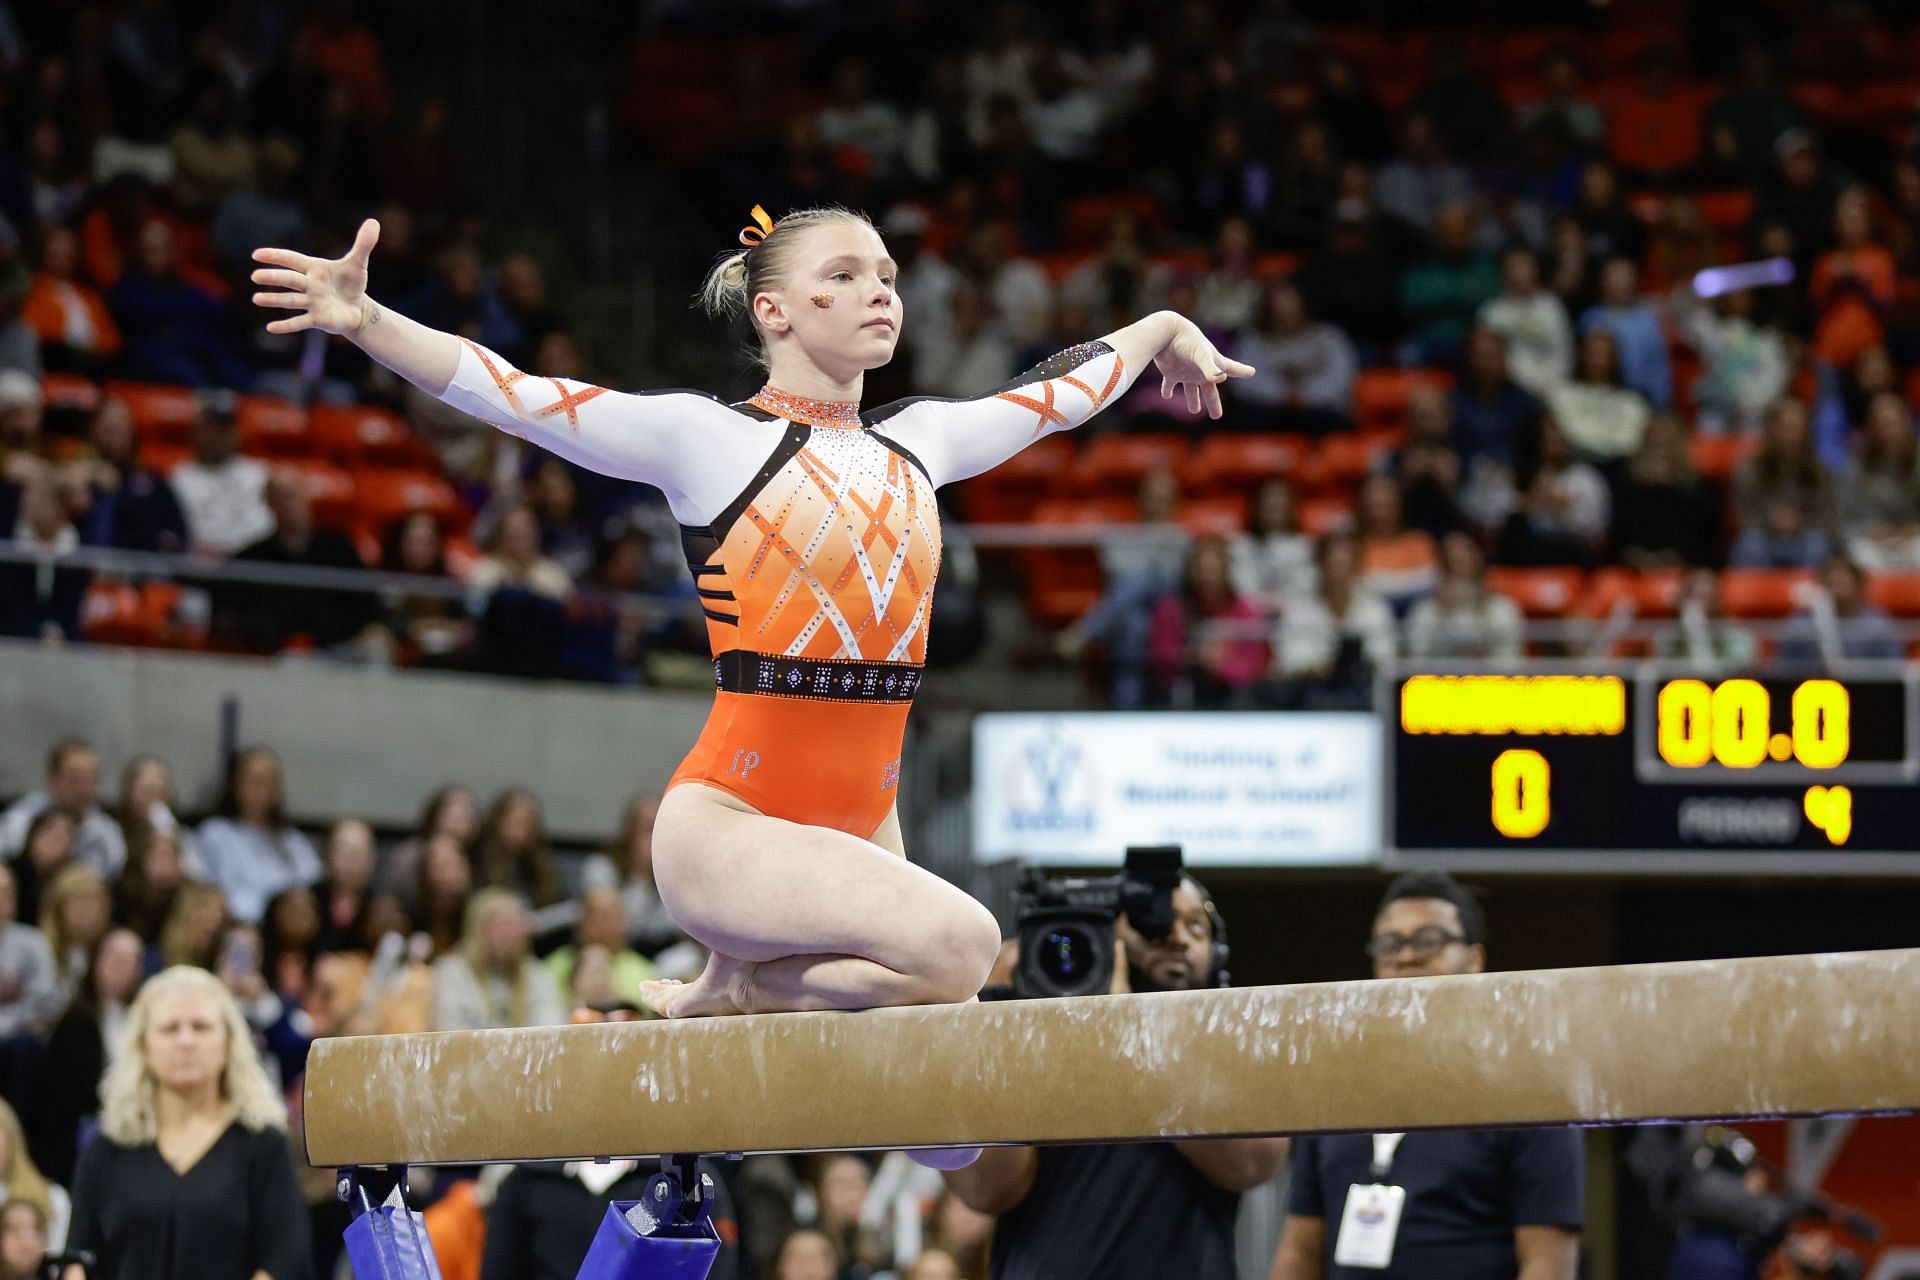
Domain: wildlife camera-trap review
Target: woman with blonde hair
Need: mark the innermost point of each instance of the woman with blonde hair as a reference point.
(76, 913)
(192, 1176)
(812, 534)
(491, 979)
(21, 1179)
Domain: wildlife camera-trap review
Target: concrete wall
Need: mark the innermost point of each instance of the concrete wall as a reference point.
(354, 741)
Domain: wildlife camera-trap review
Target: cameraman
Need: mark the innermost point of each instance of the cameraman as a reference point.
(1146, 1208)
(1478, 1205)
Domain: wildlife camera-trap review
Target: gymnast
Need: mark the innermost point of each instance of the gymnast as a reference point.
(813, 538)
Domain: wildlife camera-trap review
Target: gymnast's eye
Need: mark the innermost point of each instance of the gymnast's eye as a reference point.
(842, 275)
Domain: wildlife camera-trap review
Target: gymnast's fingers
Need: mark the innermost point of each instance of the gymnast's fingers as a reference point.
(289, 301)
(286, 258)
(1234, 369)
(1166, 387)
(1210, 394)
(292, 324)
(283, 279)
(1193, 397)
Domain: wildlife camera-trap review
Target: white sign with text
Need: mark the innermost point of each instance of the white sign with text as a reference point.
(1235, 789)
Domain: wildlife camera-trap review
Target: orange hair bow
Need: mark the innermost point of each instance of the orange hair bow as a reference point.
(751, 236)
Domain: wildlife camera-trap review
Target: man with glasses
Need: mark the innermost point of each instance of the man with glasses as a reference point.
(1502, 1204)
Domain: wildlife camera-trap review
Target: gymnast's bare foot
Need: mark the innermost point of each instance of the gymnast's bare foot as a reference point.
(715, 993)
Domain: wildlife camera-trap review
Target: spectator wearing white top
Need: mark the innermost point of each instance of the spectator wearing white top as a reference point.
(1464, 618)
(1333, 639)
(491, 980)
(1272, 562)
(1602, 417)
(1744, 363)
(1303, 369)
(223, 495)
(73, 787)
(1534, 322)
(250, 850)
(30, 992)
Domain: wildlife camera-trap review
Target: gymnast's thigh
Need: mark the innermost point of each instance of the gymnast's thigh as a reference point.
(759, 887)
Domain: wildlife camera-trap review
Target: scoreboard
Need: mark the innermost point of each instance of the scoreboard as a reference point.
(1652, 767)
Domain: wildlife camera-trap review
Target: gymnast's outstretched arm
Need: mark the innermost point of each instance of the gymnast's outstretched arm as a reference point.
(657, 438)
(955, 439)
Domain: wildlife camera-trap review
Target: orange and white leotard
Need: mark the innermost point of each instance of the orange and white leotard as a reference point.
(814, 541)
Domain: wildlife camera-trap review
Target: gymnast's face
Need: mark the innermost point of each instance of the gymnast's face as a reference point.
(1182, 959)
(837, 307)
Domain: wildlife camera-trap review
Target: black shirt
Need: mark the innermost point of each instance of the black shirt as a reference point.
(543, 1222)
(1466, 1192)
(1132, 1209)
(239, 1210)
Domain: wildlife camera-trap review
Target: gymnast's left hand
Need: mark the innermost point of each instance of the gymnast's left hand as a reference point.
(1190, 362)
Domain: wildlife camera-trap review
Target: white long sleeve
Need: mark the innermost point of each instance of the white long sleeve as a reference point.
(955, 439)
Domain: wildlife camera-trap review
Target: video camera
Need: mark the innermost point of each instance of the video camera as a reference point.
(1701, 1184)
(1065, 925)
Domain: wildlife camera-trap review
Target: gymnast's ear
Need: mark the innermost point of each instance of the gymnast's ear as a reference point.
(770, 312)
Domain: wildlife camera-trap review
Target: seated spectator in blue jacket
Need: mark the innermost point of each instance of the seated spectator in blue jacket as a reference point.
(174, 331)
(1838, 622)
(129, 506)
(1645, 364)
(1491, 413)
(1782, 541)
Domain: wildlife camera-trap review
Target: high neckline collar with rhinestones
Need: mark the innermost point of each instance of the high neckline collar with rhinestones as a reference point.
(818, 413)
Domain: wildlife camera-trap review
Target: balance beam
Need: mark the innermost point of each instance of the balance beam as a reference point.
(1720, 1039)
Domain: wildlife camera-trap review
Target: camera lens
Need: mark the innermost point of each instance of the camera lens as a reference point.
(1065, 955)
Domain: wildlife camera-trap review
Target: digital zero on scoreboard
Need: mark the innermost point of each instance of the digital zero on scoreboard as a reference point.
(1653, 760)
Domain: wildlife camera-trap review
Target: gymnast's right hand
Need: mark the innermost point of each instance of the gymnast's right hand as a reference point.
(328, 294)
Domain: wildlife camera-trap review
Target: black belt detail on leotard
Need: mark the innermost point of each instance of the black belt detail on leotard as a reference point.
(834, 679)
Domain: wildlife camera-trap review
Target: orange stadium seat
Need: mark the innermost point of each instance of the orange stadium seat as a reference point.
(70, 392)
(1725, 210)
(335, 503)
(160, 411)
(1717, 456)
(1114, 463)
(1009, 493)
(1762, 593)
(1239, 462)
(1652, 594)
(162, 456)
(385, 496)
(367, 435)
(272, 427)
(124, 613)
(1224, 516)
(1548, 592)
(1380, 395)
(1350, 456)
(1325, 514)
(1897, 593)
(1062, 583)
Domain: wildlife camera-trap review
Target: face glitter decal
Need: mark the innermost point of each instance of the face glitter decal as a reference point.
(823, 300)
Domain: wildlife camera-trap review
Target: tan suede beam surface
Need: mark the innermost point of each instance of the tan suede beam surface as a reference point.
(1794, 1035)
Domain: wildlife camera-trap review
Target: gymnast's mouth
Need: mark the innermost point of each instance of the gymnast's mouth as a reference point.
(882, 323)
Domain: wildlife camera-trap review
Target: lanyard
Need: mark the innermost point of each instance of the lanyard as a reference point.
(1385, 1145)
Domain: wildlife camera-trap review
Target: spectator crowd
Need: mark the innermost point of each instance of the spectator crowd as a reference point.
(1465, 261)
(474, 920)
